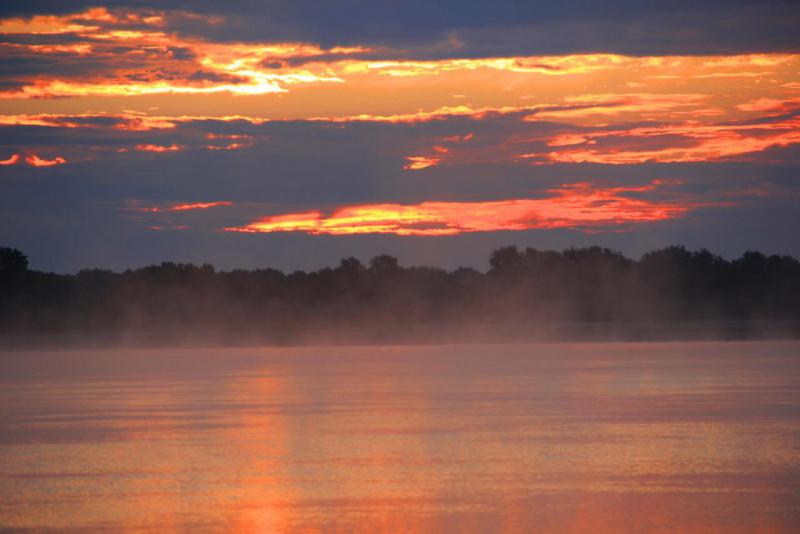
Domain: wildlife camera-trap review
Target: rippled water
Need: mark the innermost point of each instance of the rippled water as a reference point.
(672, 437)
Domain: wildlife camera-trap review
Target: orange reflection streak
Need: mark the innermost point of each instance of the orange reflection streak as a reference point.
(186, 207)
(579, 206)
(158, 148)
(35, 161)
(11, 160)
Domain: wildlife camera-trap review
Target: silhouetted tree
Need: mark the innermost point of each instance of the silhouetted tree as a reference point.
(383, 264)
(505, 260)
(586, 285)
(12, 263)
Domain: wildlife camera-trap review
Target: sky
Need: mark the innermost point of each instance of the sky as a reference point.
(290, 134)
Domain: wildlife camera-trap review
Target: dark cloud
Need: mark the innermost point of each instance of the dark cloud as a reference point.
(181, 53)
(16, 64)
(209, 76)
(465, 29)
(78, 214)
(75, 215)
(11, 85)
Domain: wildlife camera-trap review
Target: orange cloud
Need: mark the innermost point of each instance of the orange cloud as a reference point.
(336, 85)
(227, 136)
(579, 206)
(458, 138)
(170, 64)
(543, 65)
(11, 160)
(441, 113)
(143, 123)
(159, 148)
(200, 205)
(126, 121)
(616, 104)
(231, 146)
(416, 163)
(83, 23)
(77, 49)
(161, 228)
(709, 143)
(141, 55)
(241, 141)
(51, 24)
(186, 207)
(770, 104)
(668, 142)
(35, 161)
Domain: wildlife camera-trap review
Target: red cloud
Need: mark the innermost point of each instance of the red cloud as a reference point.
(571, 206)
(159, 148)
(35, 161)
(705, 143)
(11, 160)
(416, 163)
(186, 207)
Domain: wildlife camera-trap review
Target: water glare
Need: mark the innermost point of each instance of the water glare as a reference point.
(669, 437)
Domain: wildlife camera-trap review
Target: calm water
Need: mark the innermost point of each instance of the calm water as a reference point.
(673, 437)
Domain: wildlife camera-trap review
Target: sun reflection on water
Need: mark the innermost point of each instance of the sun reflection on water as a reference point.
(572, 438)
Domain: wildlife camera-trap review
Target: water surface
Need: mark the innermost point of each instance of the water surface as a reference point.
(671, 437)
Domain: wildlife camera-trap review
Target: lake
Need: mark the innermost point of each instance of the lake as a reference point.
(609, 437)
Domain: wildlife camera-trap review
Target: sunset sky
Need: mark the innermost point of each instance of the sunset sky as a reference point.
(293, 133)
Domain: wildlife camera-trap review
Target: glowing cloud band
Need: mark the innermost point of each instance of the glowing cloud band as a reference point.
(580, 206)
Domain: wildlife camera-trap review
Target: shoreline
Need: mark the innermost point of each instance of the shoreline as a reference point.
(368, 334)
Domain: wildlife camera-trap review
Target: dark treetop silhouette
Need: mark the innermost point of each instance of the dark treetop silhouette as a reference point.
(525, 292)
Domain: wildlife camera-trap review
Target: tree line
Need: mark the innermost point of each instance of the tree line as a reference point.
(527, 288)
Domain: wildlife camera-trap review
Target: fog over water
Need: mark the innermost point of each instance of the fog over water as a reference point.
(527, 295)
(612, 437)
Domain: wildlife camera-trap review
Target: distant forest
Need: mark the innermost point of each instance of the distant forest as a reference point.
(530, 293)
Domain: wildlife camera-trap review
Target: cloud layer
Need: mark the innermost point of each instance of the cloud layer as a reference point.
(147, 117)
